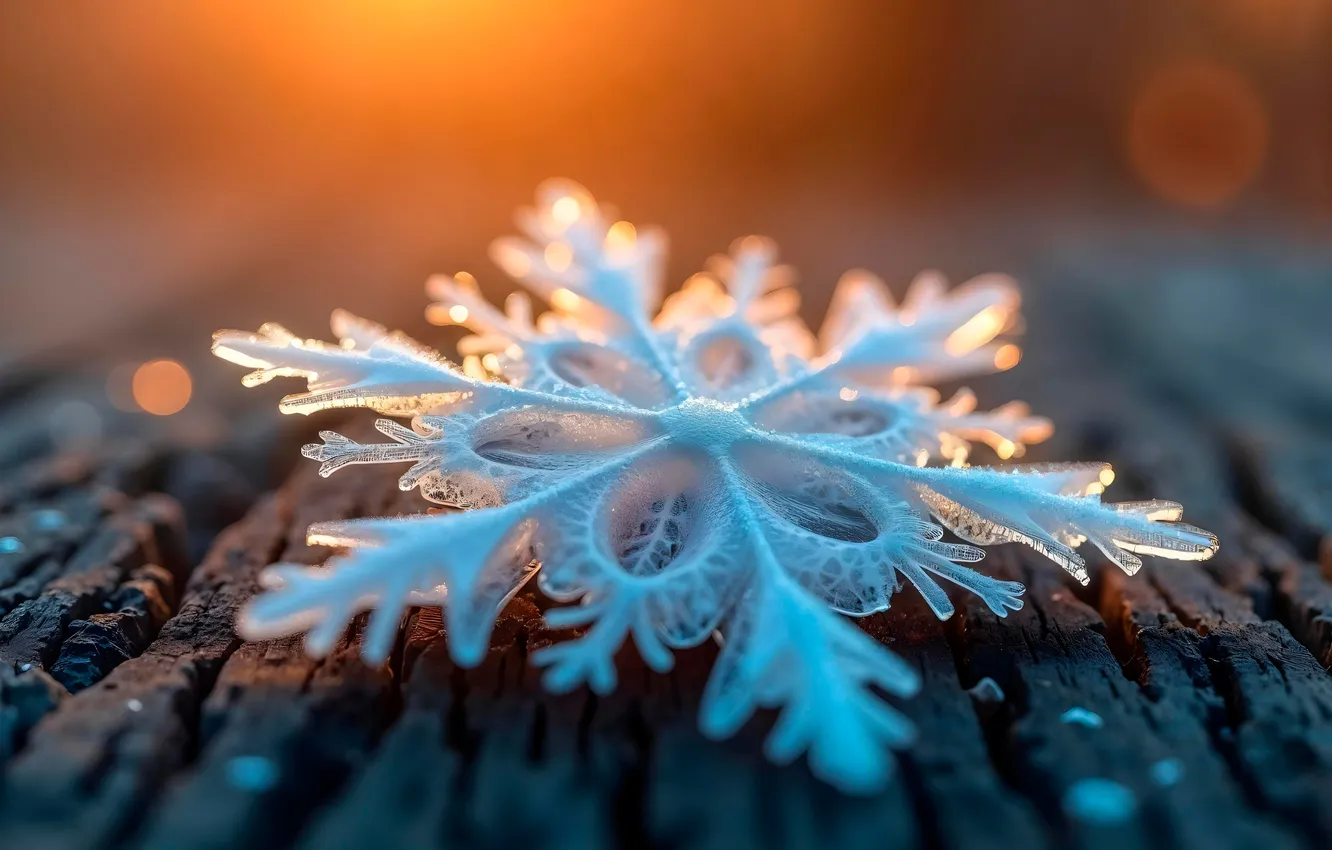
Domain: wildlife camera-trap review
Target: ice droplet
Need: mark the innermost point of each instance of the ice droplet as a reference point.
(252, 773)
(1167, 772)
(48, 519)
(1102, 802)
(1079, 716)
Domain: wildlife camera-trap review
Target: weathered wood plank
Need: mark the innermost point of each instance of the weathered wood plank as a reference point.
(1301, 592)
(91, 767)
(279, 731)
(1107, 764)
(1286, 471)
(1280, 703)
(106, 572)
(1265, 700)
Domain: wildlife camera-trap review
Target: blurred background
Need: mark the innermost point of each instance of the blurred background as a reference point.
(1157, 173)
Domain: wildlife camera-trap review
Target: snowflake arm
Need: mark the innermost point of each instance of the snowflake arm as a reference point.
(908, 425)
(1051, 509)
(935, 334)
(783, 648)
(737, 327)
(607, 279)
(651, 558)
(470, 562)
(996, 505)
(373, 367)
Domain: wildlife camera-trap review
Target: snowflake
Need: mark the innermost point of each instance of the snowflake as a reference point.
(713, 470)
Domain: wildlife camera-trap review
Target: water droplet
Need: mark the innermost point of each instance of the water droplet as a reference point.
(134, 705)
(1102, 802)
(25, 667)
(48, 519)
(1167, 772)
(252, 773)
(987, 691)
(10, 545)
(1079, 716)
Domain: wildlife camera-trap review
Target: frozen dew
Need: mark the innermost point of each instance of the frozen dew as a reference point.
(679, 467)
(252, 773)
(987, 697)
(986, 692)
(1167, 772)
(1079, 716)
(48, 519)
(1100, 802)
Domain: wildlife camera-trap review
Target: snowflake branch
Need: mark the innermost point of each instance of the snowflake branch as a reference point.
(591, 658)
(905, 425)
(935, 335)
(663, 600)
(375, 368)
(784, 649)
(338, 451)
(606, 277)
(1035, 507)
(451, 558)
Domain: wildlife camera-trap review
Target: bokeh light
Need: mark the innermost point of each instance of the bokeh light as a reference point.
(162, 387)
(1007, 356)
(1198, 133)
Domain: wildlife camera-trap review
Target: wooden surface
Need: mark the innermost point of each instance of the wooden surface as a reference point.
(131, 716)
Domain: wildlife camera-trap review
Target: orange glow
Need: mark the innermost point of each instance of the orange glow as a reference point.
(515, 263)
(621, 236)
(457, 314)
(564, 300)
(473, 369)
(1005, 449)
(1007, 357)
(161, 387)
(1198, 133)
(566, 210)
(559, 256)
(976, 331)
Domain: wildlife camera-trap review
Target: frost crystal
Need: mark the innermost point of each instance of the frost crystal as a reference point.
(715, 469)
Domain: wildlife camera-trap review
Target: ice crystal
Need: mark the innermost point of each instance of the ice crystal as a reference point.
(687, 467)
